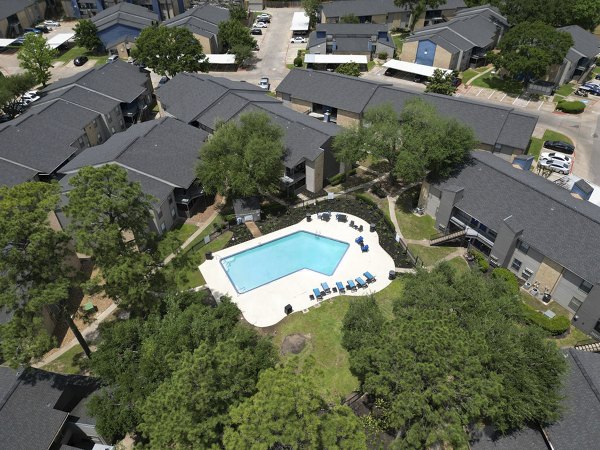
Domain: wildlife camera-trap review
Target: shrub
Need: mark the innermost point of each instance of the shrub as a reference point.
(556, 326)
(298, 61)
(509, 277)
(365, 198)
(575, 107)
(340, 178)
(382, 55)
(377, 190)
(481, 261)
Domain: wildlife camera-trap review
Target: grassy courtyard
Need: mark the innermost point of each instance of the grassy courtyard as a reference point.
(67, 363)
(430, 255)
(75, 51)
(174, 238)
(536, 144)
(322, 328)
(413, 226)
(490, 81)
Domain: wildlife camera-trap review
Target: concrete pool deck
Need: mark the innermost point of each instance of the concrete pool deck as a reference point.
(264, 306)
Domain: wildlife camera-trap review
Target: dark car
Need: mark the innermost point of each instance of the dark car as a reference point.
(43, 29)
(163, 80)
(592, 88)
(263, 19)
(255, 31)
(80, 60)
(560, 146)
(32, 30)
(597, 76)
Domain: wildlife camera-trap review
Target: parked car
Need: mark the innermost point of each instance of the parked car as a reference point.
(597, 77)
(163, 80)
(31, 94)
(43, 28)
(559, 167)
(264, 83)
(298, 40)
(263, 16)
(112, 58)
(32, 30)
(592, 88)
(29, 100)
(556, 157)
(582, 92)
(560, 146)
(51, 23)
(80, 60)
(255, 31)
(260, 25)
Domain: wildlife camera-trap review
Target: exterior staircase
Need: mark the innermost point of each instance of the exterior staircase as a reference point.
(440, 239)
(591, 347)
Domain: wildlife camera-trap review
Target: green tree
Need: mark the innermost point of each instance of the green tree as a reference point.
(351, 69)
(243, 159)
(288, 412)
(238, 12)
(86, 35)
(349, 146)
(36, 57)
(242, 53)
(362, 321)
(32, 264)
(233, 33)
(312, 8)
(11, 89)
(458, 352)
(530, 48)
(349, 18)
(384, 134)
(418, 7)
(431, 144)
(169, 50)
(440, 83)
(585, 13)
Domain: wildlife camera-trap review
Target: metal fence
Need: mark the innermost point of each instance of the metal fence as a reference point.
(282, 4)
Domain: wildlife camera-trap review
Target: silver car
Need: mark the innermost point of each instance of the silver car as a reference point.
(559, 167)
(556, 157)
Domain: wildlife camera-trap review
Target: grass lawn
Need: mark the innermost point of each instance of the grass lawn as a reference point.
(493, 82)
(459, 264)
(191, 277)
(535, 147)
(430, 255)
(536, 144)
(322, 326)
(412, 225)
(73, 52)
(565, 90)
(175, 237)
(467, 75)
(551, 135)
(370, 65)
(217, 221)
(68, 362)
(399, 41)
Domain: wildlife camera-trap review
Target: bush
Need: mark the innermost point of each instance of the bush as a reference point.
(509, 277)
(556, 326)
(339, 178)
(298, 61)
(481, 261)
(382, 55)
(365, 198)
(575, 107)
(377, 190)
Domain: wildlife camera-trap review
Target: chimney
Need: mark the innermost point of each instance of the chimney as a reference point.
(581, 189)
(523, 162)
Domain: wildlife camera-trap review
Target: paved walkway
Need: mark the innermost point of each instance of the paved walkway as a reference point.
(189, 240)
(253, 229)
(468, 83)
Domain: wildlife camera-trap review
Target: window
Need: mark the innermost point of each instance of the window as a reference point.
(516, 264)
(160, 213)
(112, 129)
(493, 234)
(575, 303)
(523, 246)
(173, 213)
(493, 261)
(585, 286)
(527, 273)
(163, 227)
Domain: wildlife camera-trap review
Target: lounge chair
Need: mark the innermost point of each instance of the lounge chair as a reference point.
(359, 240)
(352, 223)
(361, 282)
(370, 278)
(311, 296)
(341, 217)
(325, 287)
(318, 294)
(360, 228)
(351, 286)
(340, 286)
(364, 248)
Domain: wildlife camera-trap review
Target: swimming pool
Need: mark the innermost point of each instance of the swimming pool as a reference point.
(260, 265)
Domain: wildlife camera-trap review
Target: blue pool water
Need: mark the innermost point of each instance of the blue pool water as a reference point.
(260, 265)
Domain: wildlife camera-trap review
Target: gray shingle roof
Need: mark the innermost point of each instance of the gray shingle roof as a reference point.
(12, 174)
(203, 19)
(585, 44)
(335, 90)
(359, 29)
(165, 149)
(29, 410)
(376, 7)
(10, 7)
(125, 14)
(119, 80)
(526, 439)
(494, 190)
(82, 97)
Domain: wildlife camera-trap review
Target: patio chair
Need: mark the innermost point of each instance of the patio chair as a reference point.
(351, 224)
(311, 296)
(365, 248)
(360, 228)
(361, 282)
(340, 287)
(351, 286)
(359, 240)
(325, 287)
(341, 217)
(317, 293)
(370, 278)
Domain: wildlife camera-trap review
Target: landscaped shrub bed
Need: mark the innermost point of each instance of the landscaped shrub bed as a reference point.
(360, 206)
(556, 326)
(575, 107)
(241, 233)
(340, 178)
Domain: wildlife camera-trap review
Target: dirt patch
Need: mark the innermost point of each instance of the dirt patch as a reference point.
(294, 343)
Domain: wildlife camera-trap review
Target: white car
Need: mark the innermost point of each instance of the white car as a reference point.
(29, 97)
(559, 167)
(264, 83)
(259, 25)
(51, 23)
(298, 40)
(556, 157)
(263, 16)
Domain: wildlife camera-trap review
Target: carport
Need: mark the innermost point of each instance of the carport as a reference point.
(330, 62)
(422, 70)
(221, 63)
(60, 39)
(300, 22)
(6, 42)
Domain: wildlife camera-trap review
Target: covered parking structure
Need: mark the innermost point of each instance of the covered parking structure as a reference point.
(331, 62)
(300, 23)
(400, 68)
(60, 39)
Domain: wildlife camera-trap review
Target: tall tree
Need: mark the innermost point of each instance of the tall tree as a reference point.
(349, 18)
(384, 134)
(242, 53)
(312, 9)
(351, 69)
(86, 35)
(418, 7)
(431, 144)
(11, 89)
(349, 146)
(585, 13)
(233, 33)
(529, 49)
(32, 264)
(238, 12)
(458, 352)
(244, 158)
(288, 412)
(36, 57)
(169, 50)
(440, 83)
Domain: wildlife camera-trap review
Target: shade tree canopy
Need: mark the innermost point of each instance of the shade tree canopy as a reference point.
(11, 89)
(351, 69)
(234, 33)
(86, 35)
(35, 56)
(442, 83)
